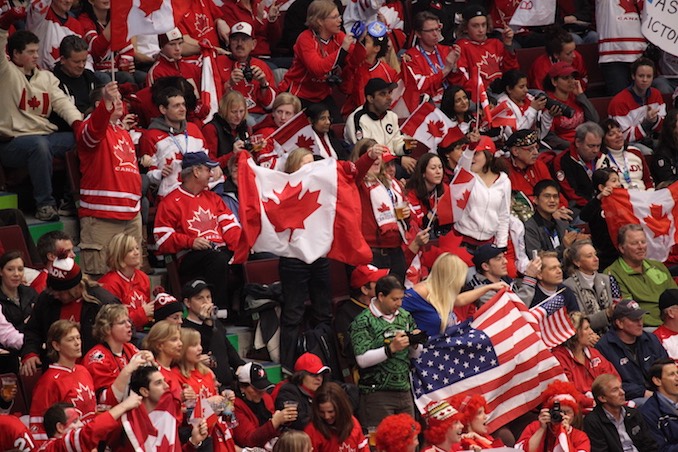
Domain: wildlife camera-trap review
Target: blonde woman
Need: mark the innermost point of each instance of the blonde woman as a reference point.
(164, 341)
(227, 132)
(293, 441)
(285, 106)
(432, 302)
(126, 281)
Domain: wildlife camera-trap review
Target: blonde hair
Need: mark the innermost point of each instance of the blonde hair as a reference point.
(159, 333)
(286, 98)
(318, 10)
(447, 277)
(105, 319)
(120, 245)
(293, 441)
(228, 100)
(578, 319)
(360, 148)
(57, 331)
(294, 158)
(189, 338)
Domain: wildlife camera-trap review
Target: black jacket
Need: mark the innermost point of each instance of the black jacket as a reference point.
(17, 314)
(290, 391)
(604, 437)
(47, 310)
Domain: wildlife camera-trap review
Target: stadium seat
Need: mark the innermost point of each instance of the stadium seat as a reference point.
(262, 271)
(600, 104)
(596, 85)
(12, 238)
(527, 56)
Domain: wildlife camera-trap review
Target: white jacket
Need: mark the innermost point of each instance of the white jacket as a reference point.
(363, 124)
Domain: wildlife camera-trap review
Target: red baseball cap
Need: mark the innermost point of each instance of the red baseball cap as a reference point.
(562, 69)
(485, 144)
(388, 157)
(364, 274)
(310, 363)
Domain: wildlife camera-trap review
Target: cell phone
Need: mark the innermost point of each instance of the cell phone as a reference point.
(535, 254)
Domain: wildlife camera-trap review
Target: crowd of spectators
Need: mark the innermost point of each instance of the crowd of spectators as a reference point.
(158, 176)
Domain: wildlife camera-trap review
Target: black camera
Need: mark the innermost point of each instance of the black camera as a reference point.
(334, 80)
(247, 73)
(567, 111)
(556, 414)
(247, 144)
(417, 338)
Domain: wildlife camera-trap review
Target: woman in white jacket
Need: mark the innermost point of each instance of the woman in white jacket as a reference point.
(486, 216)
(513, 96)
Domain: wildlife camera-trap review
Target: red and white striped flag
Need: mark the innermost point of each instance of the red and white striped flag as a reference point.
(428, 125)
(131, 18)
(210, 81)
(497, 354)
(656, 211)
(308, 214)
(551, 321)
(483, 100)
(502, 115)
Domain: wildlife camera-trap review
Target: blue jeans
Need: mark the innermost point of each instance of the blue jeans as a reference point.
(36, 152)
(590, 37)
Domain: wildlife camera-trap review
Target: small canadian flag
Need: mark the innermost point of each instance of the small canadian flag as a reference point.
(428, 125)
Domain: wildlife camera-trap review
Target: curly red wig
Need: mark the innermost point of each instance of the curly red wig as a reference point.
(563, 392)
(437, 425)
(396, 432)
(469, 406)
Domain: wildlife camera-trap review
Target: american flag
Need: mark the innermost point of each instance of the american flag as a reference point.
(554, 325)
(497, 354)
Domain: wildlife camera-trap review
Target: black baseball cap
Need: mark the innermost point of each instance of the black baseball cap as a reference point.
(484, 253)
(255, 375)
(194, 287)
(377, 84)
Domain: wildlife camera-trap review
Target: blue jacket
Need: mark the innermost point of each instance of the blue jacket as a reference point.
(634, 376)
(662, 422)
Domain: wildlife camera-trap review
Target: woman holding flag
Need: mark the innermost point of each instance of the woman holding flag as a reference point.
(425, 191)
(514, 96)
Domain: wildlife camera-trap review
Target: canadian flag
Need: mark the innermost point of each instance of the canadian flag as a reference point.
(483, 100)
(210, 82)
(297, 133)
(154, 431)
(502, 115)
(428, 125)
(656, 211)
(130, 18)
(203, 410)
(311, 213)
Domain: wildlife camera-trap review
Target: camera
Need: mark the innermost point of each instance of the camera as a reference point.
(417, 338)
(247, 144)
(334, 80)
(556, 414)
(358, 28)
(247, 73)
(568, 112)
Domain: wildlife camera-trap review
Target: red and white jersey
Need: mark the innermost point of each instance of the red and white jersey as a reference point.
(668, 339)
(168, 149)
(258, 100)
(630, 114)
(541, 66)
(182, 217)
(633, 170)
(423, 74)
(356, 441)
(51, 30)
(167, 67)
(100, 47)
(133, 292)
(84, 438)
(619, 31)
(490, 58)
(110, 186)
(104, 366)
(14, 435)
(62, 384)
(356, 79)
(199, 21)
(204, 385)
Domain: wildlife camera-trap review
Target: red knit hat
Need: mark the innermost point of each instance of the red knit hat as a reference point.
(64, 274)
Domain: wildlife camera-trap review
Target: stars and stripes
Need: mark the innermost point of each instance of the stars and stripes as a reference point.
(497, 354)
(554, 323)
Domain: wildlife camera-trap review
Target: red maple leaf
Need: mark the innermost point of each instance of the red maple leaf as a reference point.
(629, 6)
(150, 6)
(305, 142)
(383, 208)
(56, 54)
(169, 161)
(292, 208)
(461, 202)
(658, 221)
(436, 128)
(164, 445)
(203, 222)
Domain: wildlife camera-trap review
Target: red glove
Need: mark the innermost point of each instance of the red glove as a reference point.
(8, 18)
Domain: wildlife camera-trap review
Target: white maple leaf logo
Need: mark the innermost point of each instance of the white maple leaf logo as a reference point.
(84, 394)
(203, 222)
(124, 152)
(489, 66)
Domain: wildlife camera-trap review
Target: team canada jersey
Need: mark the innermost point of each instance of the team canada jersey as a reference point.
(166, 67)
(168, 149)
(100, 47)
(51, 30)
(14, 435)
(257, 100)
(182, 217)
(490, 58)
(104, 366)
(423, 74)
(541, 66)
(630, 114)
(133, 292)
(356, 441)
(199, 21)
(84, 438)
(62, 384)
(619, 31)
(110, 186)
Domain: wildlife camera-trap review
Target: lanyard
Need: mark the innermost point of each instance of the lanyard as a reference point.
(588, 167)
(176, 143)
(626, 173)
(433, 67)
